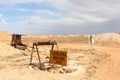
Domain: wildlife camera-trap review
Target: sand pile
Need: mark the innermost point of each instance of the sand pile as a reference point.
(107, 37)
(5, 35)
(7, 50)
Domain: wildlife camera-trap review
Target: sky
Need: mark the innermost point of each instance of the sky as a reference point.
(60, 16)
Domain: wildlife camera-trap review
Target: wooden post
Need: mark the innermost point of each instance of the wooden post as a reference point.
(91, 43)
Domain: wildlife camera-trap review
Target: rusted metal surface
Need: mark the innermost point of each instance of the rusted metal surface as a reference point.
(58, 57)
(46, 43)
(16, 42)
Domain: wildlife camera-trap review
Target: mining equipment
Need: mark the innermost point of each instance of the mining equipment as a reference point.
(17, 43)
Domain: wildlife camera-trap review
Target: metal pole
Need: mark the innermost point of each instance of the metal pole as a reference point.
(91, 48)
(52, 46)
(32, 54)
(38, 55)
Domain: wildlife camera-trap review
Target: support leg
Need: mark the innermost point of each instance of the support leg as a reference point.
(38, 56)
(32, 54)
(52, 47)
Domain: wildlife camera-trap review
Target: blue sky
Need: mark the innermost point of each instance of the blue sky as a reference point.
(60, 16)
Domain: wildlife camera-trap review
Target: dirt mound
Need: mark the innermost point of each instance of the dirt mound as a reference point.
(5, 37)
(107, 37)
(7, 50)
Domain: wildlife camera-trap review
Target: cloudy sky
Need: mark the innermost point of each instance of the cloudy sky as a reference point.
(60, 16)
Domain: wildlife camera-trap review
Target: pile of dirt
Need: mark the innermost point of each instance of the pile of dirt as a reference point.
(5, 37)
(7, 50)
(107, 37)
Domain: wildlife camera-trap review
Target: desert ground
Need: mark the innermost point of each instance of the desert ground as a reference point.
(100, 63)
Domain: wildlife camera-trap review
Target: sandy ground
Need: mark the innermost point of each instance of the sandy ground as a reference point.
(101, 64)
(111, 70)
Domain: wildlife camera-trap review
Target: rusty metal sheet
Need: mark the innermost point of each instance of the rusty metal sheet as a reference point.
(58, 57)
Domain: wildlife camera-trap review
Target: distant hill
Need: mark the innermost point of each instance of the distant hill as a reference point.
(79, 38)
(108, 37)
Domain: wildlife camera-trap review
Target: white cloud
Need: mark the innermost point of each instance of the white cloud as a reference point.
(71, 13)
(1, 15)
(3, 20)
(52, 13)
(94, 10)
(70, 20)
(35, 20)
(77, 11)
(87, 17)
(19, 1)
(65, 5)
(20, 9)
